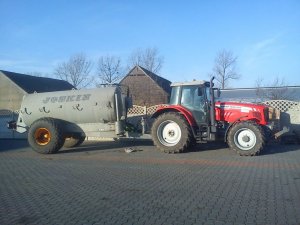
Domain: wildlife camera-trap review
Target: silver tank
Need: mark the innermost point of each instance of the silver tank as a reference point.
(76, 106)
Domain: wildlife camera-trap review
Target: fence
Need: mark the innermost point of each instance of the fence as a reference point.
(290, 116)
(289, 113)
(137, 110)
(137, 113)
(281, 105)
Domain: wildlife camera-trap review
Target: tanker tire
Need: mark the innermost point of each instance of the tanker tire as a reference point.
(171, 133)
(45, 136)
(246, 138)
(73, 141)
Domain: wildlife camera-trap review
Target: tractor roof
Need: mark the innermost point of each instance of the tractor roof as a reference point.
(190, 83)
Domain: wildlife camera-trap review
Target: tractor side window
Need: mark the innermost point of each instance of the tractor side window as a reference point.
(194, 102)
(191, 99)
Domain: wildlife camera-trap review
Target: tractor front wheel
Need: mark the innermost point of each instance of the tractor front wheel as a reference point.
(246, 138)
(171, 133)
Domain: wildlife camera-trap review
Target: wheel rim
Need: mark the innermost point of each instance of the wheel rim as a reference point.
(42, 136)
(245, 139)
(169, 133)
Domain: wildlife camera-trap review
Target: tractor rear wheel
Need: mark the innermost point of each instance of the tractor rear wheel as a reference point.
(246, 138)
(45, 136)
(171, 133)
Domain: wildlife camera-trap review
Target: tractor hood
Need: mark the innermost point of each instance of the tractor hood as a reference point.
(233, 111)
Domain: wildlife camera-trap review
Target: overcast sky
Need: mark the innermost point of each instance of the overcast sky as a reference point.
(265, 35)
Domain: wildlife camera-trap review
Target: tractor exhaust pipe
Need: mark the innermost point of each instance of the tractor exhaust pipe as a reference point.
(212, 107)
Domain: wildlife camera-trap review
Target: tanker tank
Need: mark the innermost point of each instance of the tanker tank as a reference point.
(76, 106)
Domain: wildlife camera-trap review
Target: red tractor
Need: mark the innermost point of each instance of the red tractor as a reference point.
(193, 116)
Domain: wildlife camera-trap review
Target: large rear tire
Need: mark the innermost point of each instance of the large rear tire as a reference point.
(246, 138)
(171, 133)
(45, 136)
(74, 141)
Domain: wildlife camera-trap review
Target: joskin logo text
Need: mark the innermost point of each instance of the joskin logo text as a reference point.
(69, 98)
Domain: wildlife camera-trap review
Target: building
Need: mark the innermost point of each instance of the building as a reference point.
(146, 88)
(260, 95)
(13, 86)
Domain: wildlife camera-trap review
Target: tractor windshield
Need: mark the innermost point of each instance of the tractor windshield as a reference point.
(174, 100)
(207, 90)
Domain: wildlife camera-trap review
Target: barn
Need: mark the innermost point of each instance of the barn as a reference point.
(13, 86)
(146, 88)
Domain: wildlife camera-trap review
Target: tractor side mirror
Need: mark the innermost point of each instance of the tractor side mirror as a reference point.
(218, 92)
(200, 91)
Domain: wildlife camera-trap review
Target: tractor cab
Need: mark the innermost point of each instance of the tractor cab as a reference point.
(195, 97)
(189, 117)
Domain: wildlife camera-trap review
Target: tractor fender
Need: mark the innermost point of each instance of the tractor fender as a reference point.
(176, 108)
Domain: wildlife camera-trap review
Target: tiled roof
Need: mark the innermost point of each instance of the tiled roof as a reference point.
(32, 84)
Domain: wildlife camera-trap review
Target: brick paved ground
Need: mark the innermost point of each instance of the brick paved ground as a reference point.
(99, 183)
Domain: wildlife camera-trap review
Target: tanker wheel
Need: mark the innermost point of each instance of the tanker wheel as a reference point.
(74, 141)
(45, 136)
(246, 138)
(171, 133)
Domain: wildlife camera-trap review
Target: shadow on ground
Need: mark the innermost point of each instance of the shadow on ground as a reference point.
(271, 148)
(106, 145)
(208, 146)
(12, 144)
(276, 148)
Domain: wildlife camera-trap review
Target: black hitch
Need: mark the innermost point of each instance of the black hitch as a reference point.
(12, 125)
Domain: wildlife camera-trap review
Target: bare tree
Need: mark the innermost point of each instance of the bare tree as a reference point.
(224, 68)
(109, 69)
(277, 90)
(76, 71)
(148, 58)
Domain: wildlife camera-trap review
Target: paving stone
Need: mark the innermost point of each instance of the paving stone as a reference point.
(95, 185)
